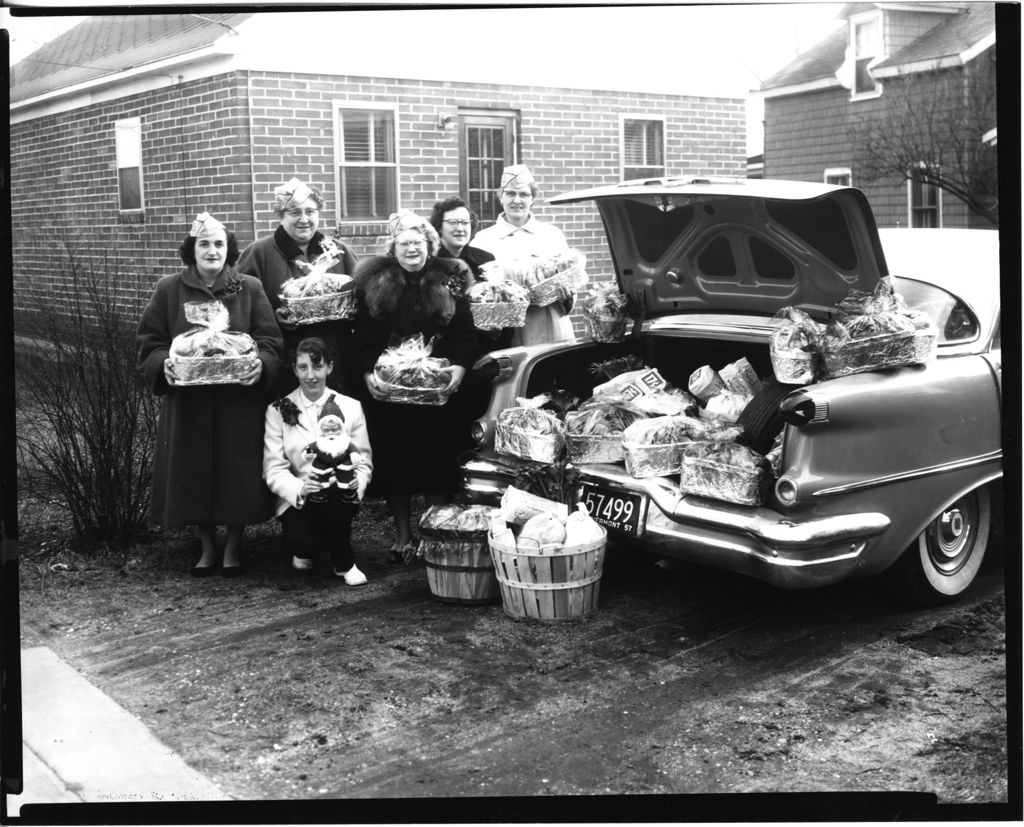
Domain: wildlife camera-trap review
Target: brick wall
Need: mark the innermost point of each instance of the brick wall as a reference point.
(224, 143)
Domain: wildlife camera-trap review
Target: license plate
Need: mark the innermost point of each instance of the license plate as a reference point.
(617, 511)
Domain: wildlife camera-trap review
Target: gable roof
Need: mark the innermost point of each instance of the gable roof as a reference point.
(115, 43)
(959, 35)
(951, 41)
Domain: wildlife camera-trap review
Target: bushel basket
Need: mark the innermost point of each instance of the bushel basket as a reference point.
(549, 583)
(460, 571)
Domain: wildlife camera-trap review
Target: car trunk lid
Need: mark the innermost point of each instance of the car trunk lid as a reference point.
(737, 245)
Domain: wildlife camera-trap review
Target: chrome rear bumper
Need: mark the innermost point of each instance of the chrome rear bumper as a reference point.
(756, 541)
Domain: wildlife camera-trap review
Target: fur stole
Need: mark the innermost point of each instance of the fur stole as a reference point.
(381, 281)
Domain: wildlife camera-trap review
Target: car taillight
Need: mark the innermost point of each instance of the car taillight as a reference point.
(478, 432)
(801, 408)
(494, 368)
(786, 491)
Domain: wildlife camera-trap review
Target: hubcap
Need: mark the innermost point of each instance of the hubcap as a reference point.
(951, 537)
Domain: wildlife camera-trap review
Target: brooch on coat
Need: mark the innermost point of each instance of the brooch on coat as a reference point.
(289, 411)
(233, 285)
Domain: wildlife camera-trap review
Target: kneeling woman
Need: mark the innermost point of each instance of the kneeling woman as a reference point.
(317, 460)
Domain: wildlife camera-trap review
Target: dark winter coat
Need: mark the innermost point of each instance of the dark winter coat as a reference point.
(272, 260)
(207, 469)
(414, 446)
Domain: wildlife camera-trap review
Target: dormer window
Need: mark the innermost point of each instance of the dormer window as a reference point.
(866, 45)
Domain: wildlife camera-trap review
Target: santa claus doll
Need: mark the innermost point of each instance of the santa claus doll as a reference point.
(334, 458)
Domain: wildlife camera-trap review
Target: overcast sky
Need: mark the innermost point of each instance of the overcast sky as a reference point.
(722, 50)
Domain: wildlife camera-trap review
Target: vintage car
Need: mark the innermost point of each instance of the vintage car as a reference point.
(891, 470)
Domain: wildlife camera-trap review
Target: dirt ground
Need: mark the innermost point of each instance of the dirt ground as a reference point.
(283, 685)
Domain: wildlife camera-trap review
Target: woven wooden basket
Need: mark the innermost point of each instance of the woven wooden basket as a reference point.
(459, 571)
(549, 583)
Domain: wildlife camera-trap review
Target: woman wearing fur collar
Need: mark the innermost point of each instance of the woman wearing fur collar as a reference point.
(405, 292)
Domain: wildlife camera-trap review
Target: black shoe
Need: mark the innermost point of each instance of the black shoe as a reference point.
(205, 571)
(232, 571)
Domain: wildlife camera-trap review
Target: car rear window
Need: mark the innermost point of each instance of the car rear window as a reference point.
(954, 319)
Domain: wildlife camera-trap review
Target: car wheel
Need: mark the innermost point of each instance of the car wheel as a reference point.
(945, 558)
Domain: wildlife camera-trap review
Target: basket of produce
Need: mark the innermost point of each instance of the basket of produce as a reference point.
(529, 433)
(794, 347)
(498, 304)
(408, 374)
(317, 295)
(654, 447)
(456, 552)
(725, 471)
(593, 433)
(553, 279)
(604, 313)
(208, 353)
(552, 569)
(866, 343)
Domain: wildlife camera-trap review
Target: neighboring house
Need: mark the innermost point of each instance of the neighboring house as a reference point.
(877, 99)
(126, 126)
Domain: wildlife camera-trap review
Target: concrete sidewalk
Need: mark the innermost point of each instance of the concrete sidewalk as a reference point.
(81, 746)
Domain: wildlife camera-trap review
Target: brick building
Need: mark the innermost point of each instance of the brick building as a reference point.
(894, 72)
(125, 127)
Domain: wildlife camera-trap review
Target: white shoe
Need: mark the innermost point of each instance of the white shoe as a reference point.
(353, 577)
(302, 564)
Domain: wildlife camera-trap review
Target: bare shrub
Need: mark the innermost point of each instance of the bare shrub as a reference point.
(86, 421)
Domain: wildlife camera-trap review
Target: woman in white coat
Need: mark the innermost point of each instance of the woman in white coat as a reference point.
(318, 473)
(519, 234)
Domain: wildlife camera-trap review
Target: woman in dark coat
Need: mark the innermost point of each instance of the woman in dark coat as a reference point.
(274, 259)
(456, 225)
(207, 470)
(406, 292)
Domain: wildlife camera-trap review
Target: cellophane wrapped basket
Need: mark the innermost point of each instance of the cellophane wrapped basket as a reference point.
(604, 314)
(846, 354)
(654, 447)
(498, 303)
(209, 353)
(875, 331)
(321, 308)
(794, 347)
(317, 295)
(551, 279)
(529, 433)
(593, 433)
(725, 471)
(408, 374)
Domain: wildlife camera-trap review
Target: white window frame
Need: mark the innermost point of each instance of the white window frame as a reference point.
(337, 108)
(856, 20)
(836, 172)
(638, 116)
(910, 203)
(128, 155)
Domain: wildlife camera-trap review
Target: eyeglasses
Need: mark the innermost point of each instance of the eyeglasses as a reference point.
(521, 194)
(452, 222)
(408, 244)
(308, 213)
